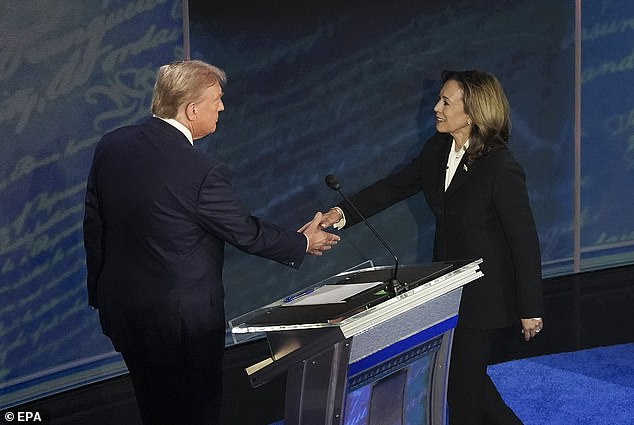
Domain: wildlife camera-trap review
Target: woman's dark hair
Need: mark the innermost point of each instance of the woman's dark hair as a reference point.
(487, 106)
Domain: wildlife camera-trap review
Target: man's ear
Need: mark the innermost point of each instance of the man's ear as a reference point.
(190, 111)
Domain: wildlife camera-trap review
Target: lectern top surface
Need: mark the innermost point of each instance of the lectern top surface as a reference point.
(283, 315)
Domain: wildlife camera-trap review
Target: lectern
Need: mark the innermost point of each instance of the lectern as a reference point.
(355, 354)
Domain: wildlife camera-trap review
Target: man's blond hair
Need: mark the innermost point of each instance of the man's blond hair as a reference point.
(183, 82)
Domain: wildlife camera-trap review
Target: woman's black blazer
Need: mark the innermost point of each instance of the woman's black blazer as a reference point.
(484, 213)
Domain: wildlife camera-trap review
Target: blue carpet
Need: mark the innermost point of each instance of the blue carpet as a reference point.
(593, 386)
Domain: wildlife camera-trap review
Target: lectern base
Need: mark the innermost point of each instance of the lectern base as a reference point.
(366, 357)
(404, 384)
(315, 388)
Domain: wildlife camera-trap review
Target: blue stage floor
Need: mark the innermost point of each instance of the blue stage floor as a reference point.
(594, 386)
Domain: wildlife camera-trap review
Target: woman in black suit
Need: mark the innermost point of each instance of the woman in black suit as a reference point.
(477, 192)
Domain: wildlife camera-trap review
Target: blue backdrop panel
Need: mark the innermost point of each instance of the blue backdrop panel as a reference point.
(343, 87)
(607, 162)
(69, 71)
(349, 88)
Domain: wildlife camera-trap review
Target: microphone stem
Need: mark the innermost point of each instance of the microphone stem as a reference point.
(375, 234)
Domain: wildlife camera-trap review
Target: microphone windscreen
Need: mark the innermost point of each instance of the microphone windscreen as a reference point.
(332, 182)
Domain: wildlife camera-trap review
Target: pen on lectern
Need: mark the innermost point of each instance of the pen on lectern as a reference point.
(296, 296)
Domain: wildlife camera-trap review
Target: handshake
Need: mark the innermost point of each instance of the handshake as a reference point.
(319, 240)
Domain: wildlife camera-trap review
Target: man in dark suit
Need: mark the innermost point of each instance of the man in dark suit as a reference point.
(477, 193)
(158, 214)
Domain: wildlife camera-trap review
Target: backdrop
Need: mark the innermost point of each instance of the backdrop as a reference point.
(344, 87)
(349, 88)
(69, 71)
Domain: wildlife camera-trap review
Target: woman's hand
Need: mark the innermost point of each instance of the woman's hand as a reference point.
(531, 327)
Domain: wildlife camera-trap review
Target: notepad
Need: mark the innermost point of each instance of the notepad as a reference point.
(331, 294)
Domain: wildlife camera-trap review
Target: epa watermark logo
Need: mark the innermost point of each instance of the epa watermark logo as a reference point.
(25, 417)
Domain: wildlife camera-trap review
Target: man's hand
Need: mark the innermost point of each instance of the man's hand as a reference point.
(318, 240)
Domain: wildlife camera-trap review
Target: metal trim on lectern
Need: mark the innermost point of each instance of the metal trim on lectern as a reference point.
(321, 346)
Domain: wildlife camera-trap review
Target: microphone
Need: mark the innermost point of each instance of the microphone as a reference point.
(394, 287)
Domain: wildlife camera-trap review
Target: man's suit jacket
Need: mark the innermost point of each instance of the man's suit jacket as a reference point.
(158, 213)
(484, 213)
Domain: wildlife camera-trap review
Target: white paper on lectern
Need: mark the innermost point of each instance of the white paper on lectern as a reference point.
(331, 294)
